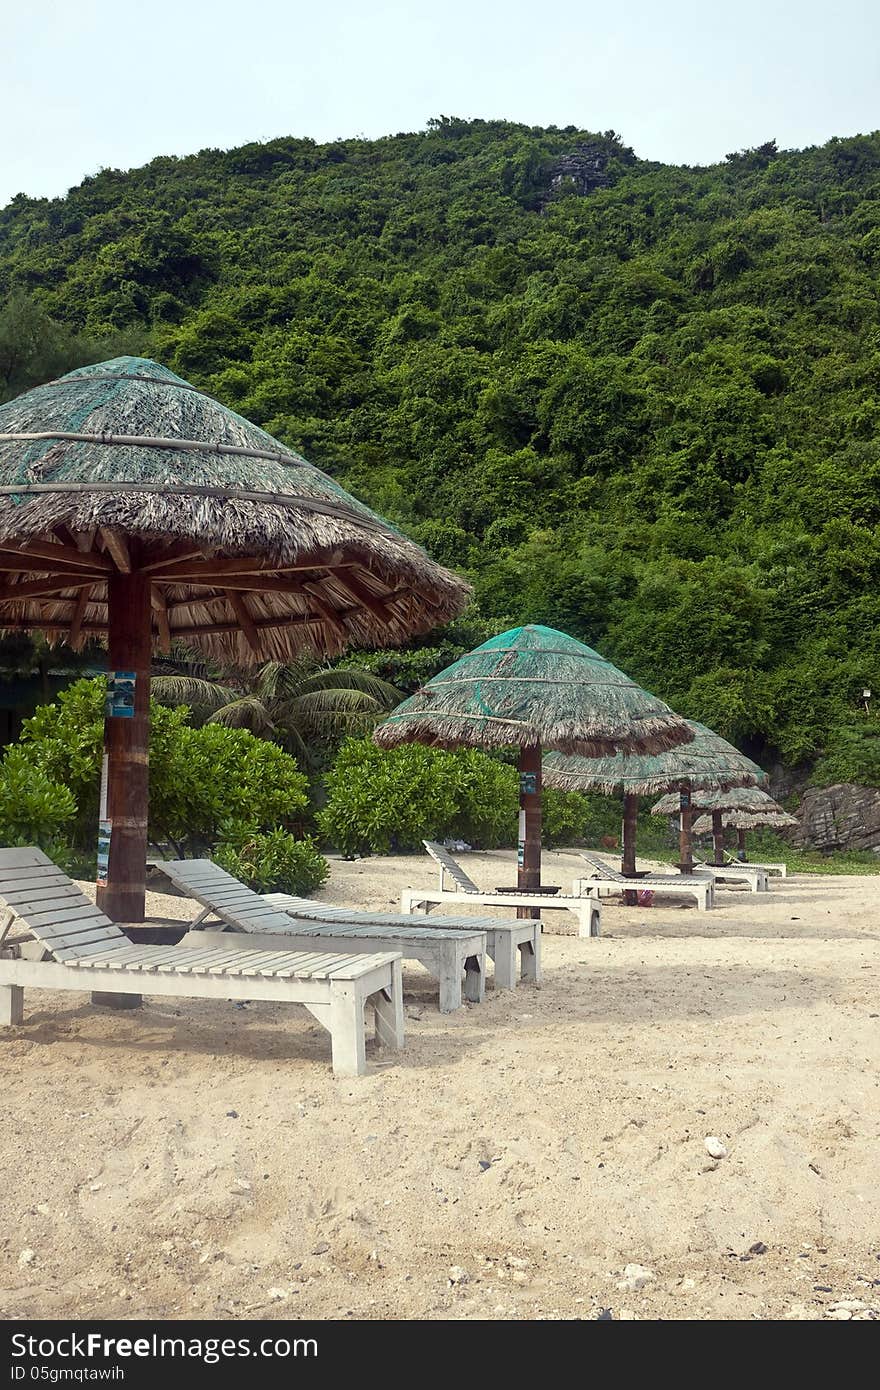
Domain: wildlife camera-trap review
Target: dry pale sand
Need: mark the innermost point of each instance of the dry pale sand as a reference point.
(195, 1159)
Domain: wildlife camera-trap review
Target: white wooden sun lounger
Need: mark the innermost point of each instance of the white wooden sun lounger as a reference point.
(607, 880)
(776, 869)
(756, 878)
(79, 948)
(412, 900)
(449, 949)
(505, 940)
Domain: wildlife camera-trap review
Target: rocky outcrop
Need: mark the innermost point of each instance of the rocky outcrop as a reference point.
(842, 816)
(584, 167)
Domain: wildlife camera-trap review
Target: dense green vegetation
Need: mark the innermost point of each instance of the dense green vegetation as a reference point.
(210, 787)
(648, 415)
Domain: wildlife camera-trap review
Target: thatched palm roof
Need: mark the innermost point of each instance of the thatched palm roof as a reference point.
(746, 820)
(252, 551)
(708, 761)
(533, 686)
(750, 799)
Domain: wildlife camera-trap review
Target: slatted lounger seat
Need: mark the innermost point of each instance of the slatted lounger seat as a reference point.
(412, 900)
(607, 880)
(772, 867)
(505, 940)
(451, 948)
(754, 876)
(83, 950)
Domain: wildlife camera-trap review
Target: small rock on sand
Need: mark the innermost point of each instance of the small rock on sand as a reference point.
(635, 1277)
(715, 1148)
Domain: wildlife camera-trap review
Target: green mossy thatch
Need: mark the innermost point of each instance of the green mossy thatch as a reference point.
(529, 686)
(754, 804)
(128, 447)
(708, 761)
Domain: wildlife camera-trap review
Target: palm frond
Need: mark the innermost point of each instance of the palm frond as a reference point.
(191, 690)
(246, 712)
(353, 678)
(332, 702)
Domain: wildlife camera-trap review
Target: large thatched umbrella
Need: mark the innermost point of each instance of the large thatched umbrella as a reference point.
(708, 762)
(534, 688)
(745, 808)
(135, 509)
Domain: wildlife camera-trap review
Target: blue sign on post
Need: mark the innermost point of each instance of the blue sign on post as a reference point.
(528, 783)
(120, 694)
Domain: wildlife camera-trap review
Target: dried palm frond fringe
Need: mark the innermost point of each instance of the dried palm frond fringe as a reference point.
(746, 820)
(750, 799)
(533, 686)
(707, 761)
(128, 448)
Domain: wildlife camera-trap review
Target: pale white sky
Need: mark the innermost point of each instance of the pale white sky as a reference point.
(102, 83)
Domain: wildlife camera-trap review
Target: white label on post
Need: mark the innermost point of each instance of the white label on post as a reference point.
(102, 804)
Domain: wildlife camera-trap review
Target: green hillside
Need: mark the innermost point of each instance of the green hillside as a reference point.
(633, 401)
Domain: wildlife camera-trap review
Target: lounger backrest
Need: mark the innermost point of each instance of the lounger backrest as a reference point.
(228, 898)
(604, 869)
(449, 866)
(53, 908)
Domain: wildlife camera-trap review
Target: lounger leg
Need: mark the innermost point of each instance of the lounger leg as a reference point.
(530, 959)
(388, 1005)
(475, 979)
(588, 920)
(413, 905)
(347, 1042)
(505, 961)
(449, 967)
(11, 1005)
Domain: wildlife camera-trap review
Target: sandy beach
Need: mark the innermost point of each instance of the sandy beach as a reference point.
(194, 1159)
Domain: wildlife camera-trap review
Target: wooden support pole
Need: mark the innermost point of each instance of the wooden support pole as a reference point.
(160, 608)
(628, 844)
(58, 555)
(685, 843)
(245, 621)
(529, 849)
(718, 835)
(75, 635)
(126, 744)
(42, 588)
(628, 837)
(741, 847)
(117, 548)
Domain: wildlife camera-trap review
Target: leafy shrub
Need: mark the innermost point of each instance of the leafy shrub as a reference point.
(201, 780)
(34, 810)
(274, 863)
(210, 777)
(573, 818)
(852, 754)
(393, 799)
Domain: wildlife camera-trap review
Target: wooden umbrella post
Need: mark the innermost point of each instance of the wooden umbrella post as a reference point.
(628, 842)
(685, 844)
(529, 847)
(718, 835)
(741, 847)
(628, 838)
(126, 748)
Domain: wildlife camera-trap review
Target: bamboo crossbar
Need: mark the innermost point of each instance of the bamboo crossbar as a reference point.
(149, 441)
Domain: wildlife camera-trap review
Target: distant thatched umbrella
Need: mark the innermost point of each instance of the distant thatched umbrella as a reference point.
(534, 687)
(136, 510)
(708, 762)
(743, 807)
